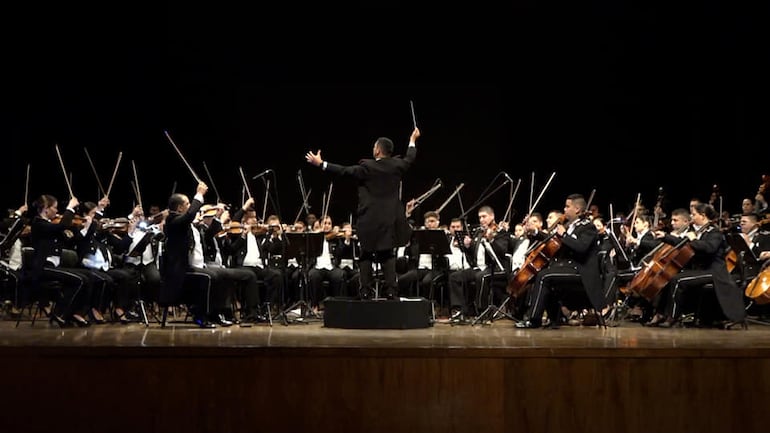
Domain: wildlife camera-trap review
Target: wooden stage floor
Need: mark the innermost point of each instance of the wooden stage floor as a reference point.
(443, 378)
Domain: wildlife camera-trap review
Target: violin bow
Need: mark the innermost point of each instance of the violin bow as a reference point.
(540, 196)
(26, 186)
(443, 205)
(168, 136)
(245, 184)
(135, 183)
(93, 169)
(506, 217)
(114, 173)
(304, 206)
(64, 171)
(636, 211)
(590, 200)
(531, 189)
(264, 206)
(211, 179)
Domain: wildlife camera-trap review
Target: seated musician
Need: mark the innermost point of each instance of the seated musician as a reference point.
(483, 264)
(707, 266)
(575, 262)
(750, 265)
(422, 270)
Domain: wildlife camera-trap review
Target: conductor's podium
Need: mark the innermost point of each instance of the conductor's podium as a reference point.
(350, 313)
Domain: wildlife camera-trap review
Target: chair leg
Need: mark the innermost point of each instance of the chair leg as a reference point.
(164, 317)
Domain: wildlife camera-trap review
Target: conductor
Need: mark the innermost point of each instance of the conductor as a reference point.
(382, 224)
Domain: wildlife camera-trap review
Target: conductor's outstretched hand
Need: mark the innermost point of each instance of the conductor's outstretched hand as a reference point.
(314, 158)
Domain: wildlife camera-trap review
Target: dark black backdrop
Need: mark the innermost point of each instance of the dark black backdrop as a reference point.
(617, 98)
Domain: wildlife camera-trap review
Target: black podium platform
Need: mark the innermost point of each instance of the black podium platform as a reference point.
(350, 313)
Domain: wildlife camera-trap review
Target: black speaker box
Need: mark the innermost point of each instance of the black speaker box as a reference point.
(350, 313)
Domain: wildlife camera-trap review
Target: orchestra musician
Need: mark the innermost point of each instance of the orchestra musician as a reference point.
(482, 265)
(422, 270)
(575, 262)
(707, 266)
(180, 267)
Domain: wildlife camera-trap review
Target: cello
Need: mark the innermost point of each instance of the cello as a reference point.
(536, 260)
(665, 261)
(759, 288)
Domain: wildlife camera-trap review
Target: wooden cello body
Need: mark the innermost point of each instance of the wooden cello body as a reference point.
(759, 288)
(536, 260)
(662, 266)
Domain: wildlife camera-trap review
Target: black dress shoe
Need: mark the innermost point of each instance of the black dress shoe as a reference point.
(527, 324)
(392, 296)
(221, 320)
(365, 294)
(55, 318)
(205, 324)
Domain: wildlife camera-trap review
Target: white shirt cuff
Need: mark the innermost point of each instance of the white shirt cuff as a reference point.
(412, 144)
(324, 165)
(199, 197)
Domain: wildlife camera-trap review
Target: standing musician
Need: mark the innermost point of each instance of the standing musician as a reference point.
(576, 261)
(707, 265)
(381, 218)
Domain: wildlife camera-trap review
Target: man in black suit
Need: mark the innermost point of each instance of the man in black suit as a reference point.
(175, 261)
(382, 224)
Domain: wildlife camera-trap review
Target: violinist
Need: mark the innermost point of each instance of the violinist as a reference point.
(46, 239)
(488, 247)
(576, 262)
(251, 250)
(707, 266)
(97, 252)
(183, 270)
(422, 270)
(347, 254)
(10, 250)
(326, 266)
(228, 278)
(142, 258)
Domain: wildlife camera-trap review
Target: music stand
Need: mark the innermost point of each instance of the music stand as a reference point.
(302, 246)
(435, 243)
(746, 257)
(492, 311)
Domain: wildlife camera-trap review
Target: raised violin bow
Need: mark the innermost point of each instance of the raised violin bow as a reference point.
(456, 191)
(135, 184)
(245, 184)
(540, 196)
(64, 171)
(93, 169)
(506, 217)
(170, 140)
(114, 173)
(26, 186)
(590, 199)
(211, 179)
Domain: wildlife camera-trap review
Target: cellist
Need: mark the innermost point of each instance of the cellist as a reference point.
(575, 262)
(706, 266)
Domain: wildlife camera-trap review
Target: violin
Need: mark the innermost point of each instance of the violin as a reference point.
(77, 220)
(115, 225)
(233, 228)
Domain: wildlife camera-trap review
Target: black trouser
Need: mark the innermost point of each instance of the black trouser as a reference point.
(387, 261)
